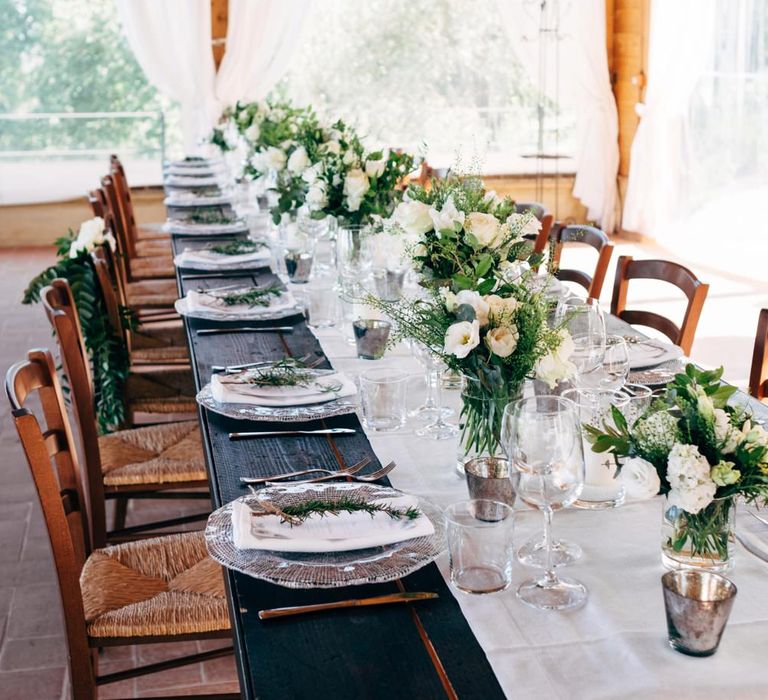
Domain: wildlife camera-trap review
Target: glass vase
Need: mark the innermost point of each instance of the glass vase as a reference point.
(482, 408)
(704, 540)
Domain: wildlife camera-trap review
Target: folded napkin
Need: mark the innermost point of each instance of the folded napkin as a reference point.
(176, 226)
(195, 163)
(194, 169)
(191, 180)
(190, 199)
(652, 352)
(339, 533)
(203, 301)
(231, 388)
(204, 256)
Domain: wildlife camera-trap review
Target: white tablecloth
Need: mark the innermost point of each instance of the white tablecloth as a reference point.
(615, 646)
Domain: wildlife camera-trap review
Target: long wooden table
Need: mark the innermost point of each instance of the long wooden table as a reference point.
(426, 650)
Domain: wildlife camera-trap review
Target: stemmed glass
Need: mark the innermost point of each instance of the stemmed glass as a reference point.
(612, 372)
(429, 410)
(546, 451)
(438, 429)
(353, 255)
(584, 320)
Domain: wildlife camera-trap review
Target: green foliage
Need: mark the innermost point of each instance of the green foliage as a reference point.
(108, 354)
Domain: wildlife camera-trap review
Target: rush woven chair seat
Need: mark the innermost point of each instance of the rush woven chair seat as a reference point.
(758, 376)
(577, 234)
(156, 587)
(155, 454)
(664, 271)
(133, 460)
(161, 589)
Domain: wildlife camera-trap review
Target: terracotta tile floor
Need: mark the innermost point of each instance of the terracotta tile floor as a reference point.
(32, 647)
(32, 644)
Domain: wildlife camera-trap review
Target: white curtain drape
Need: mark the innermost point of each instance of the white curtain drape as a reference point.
(262, 36)
(578, 79)
(676, 61)
(171, 40)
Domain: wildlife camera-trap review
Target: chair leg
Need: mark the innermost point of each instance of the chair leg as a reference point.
(121, 512)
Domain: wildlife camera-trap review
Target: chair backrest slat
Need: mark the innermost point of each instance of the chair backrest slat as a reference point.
(57, 480)
(664, 271)
(758, 376)
(62, 313)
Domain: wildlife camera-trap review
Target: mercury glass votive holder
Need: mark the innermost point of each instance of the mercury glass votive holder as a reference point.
(371, 337)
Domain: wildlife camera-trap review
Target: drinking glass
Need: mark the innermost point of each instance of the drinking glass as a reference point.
(601, 487)
(613, 370)
(353, 254)
(584, 320)
(382, 398)
(438, 429)
(639, 399)
(479, 534)
(547, 455)
(321, 303)
(429, 410)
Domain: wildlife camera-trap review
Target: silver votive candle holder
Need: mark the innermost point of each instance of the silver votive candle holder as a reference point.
(389, 283)
(298, 265)
(371, 337)
(488, 480)
(698, 604)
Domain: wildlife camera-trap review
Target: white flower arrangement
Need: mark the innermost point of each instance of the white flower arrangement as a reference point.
(91, 234)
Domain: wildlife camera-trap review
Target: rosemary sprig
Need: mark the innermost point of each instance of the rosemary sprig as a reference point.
(204, 216)
(237, 247)
(287, 373)
(252, 297)
(297, 514)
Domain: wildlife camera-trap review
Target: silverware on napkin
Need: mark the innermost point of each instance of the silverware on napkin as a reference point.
(364, 478)
(345, 471)
(245, 329)
(282, 433)
(217, 275)
(405, 597)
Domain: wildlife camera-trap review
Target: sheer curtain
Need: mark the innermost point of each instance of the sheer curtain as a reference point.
(676, 61)
(171, 40)
(262, 36)
(578, 77)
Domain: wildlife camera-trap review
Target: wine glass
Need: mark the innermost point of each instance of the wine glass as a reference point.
(611, 372)
(585, 322)
(438, 429)
(429, 410)
(546, 451)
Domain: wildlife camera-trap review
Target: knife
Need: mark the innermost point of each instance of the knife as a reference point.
(280, 433)
(353, 603)
(246, 329)
(217, 275)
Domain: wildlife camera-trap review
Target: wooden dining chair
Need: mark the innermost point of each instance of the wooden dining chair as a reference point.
(665, 271)
(163, 589)
(153, 461)
(545, 218)
(559, 235)
(758, 376)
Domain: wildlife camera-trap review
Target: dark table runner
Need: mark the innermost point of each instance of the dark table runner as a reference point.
(420, 651)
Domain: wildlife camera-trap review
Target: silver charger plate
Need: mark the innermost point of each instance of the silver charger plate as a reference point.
(258, 314)
(281, 414)
(327, 569)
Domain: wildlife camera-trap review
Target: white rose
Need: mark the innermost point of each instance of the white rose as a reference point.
(499, 306)
(375, 167)
(273, 158)
(332, 147)
(312, 173)
(252, 133)
(461, 338)
(485, 228)
(693, 500)
(449, 217)
(556, 365)
(480, 305)
(502, 341)
(317, 197)
(413, 217)
(92, 230)
(298, 161)
(754, 435)
(349, 157)
(355, 186)
(524, 224)
(726, 435)
(640, 478)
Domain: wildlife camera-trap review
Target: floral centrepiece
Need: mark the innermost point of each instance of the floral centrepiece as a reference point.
(476, 316)
(701, 454)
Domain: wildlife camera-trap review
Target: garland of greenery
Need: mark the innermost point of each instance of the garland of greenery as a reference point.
(109, 355)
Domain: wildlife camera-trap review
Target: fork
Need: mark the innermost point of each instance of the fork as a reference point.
(375, 476)
(277, 478)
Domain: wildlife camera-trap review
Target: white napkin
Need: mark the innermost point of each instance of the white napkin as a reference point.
(652, 352)
(225, 388)
(190, 199)
(208, 257)
(202, 301)
(191, 181)
(201, 163)
(340, 533)
(175, 226)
